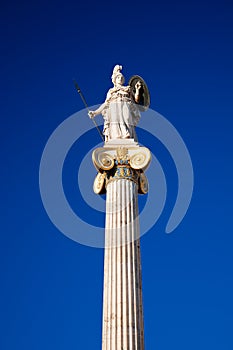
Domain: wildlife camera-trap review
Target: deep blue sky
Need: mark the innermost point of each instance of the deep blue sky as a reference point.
(51, 287)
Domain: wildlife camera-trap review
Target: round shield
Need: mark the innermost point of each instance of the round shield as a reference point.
(144, 101)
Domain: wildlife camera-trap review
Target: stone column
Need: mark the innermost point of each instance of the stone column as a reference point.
(121, 175)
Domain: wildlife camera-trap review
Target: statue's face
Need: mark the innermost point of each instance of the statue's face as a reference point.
(119, 79)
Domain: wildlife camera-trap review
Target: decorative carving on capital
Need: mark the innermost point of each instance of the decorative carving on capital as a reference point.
(123, 171)
(141, 159)
(102, 160)
(105, 158)
(121, 162)
(122, 155)
(143, 185)
(99, 183)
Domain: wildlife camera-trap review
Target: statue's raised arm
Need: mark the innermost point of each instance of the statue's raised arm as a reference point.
(121, 109)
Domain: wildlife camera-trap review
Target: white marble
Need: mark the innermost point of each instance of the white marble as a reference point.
(121, 173)
(118, 143)
(120, 110)
(122, 301)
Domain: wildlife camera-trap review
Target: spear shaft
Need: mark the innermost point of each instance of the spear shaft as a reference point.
(86, 105)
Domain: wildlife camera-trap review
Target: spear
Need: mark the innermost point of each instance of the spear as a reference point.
(86, 105)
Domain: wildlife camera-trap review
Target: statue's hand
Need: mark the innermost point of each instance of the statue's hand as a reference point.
(138, 85)
(91, 114)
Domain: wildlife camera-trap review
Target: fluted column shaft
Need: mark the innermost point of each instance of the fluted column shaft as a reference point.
(122, 301)
(121, 175)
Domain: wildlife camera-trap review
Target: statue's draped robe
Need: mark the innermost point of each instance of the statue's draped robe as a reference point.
(120, 114)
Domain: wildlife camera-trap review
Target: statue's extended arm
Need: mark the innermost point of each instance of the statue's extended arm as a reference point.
(99, 110)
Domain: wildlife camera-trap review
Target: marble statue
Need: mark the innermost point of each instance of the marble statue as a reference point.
(120, 109)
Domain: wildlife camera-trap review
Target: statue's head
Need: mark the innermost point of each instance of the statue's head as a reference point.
(117, 76)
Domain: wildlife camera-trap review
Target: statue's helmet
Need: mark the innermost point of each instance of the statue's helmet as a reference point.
(116, 71)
